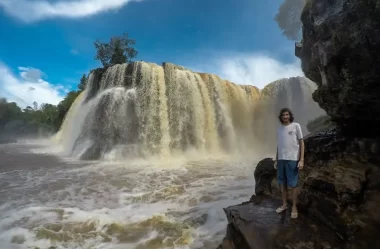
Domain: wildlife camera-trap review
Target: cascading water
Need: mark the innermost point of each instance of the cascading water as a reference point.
(66, 127)
(294, 93)
(163, 110)
(145, 113)
(158, 110)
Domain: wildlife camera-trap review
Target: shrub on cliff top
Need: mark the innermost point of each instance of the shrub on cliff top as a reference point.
(117, 51)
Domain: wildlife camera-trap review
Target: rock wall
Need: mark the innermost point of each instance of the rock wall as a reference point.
(340, 51)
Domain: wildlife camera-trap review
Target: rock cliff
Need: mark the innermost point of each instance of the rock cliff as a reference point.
(340, 184)
(340, 51)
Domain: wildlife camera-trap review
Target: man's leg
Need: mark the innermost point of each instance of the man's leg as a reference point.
(294, 198)
(292, 179)
(284, 191)
(281, 180)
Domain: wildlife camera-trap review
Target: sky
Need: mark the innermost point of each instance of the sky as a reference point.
(47, 45)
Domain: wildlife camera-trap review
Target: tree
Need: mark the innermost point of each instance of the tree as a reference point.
(117, 51)
(8, 111)
(288, 18)
(83, 83)
(35, 105)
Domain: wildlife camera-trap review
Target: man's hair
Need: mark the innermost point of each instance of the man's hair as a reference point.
(291, 116)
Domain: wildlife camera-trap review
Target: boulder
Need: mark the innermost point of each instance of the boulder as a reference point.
(340, 51)
(265, 177)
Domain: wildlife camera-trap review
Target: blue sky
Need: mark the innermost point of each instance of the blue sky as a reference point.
(47, 45)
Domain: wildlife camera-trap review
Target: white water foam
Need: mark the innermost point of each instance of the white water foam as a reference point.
(87, 205)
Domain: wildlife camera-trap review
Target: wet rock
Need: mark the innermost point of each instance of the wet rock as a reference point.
(341, 52)
(196, 221)
(265, 177)
(332, 195)
(258, 226)
(341, 179)
(18, 239)
(92, 153)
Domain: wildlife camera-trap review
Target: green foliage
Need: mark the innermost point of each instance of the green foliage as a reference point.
(8, 111)
(318, 124)
(83, 83)
(117, 51)
(288, 18)
(17, 122)
(39, 119)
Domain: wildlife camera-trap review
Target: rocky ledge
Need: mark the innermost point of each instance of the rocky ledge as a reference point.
(256, 225)
(340, 190)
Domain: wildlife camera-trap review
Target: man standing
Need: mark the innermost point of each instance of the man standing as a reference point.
(289, 158)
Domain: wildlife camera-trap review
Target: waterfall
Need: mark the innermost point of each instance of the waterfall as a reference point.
(143, 109)
(68, 124)
(294, 93)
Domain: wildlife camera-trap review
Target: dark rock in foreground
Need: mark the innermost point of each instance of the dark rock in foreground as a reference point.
(256, 225)
(265, 175)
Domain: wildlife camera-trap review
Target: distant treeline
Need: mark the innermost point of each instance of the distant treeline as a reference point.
(41, 119)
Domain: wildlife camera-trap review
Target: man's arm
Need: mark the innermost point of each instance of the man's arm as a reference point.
(302, 145)
(275, 162)
(277, 154)
(302, 152)
(302, 149)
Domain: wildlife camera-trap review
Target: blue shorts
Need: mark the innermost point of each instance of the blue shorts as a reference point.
(287, 173)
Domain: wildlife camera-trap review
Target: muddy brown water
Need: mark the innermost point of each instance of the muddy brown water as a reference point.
(49, 201)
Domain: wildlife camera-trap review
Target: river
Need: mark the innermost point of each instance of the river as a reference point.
(49, 201)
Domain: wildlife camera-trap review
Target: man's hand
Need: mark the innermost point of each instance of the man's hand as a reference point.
(275, 164)
(300, 164)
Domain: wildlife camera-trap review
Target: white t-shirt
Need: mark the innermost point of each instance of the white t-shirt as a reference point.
(287, 141)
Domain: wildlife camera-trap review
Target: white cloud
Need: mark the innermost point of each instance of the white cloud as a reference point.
(252, 69)
(30, 74)
(28, 87)
(31, 11)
